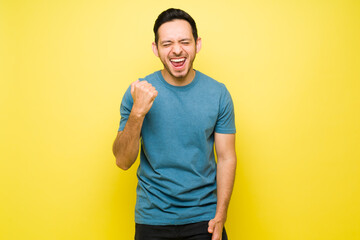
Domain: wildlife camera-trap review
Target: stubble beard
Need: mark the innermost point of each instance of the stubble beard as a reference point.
(183, 76)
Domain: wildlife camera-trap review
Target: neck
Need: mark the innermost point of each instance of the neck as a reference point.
(178, 81)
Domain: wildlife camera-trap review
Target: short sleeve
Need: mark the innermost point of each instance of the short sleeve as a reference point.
(226, 118)
(125, 108)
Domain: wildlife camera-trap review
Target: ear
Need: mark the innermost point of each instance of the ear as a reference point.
(155, 49)
(198, 45)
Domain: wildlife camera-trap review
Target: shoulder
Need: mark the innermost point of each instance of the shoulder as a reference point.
(210, 83)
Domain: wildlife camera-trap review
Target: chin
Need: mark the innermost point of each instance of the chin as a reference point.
(180, 74)
(177, 73)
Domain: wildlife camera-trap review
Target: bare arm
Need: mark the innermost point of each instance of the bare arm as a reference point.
(226, 166)
(126, 144)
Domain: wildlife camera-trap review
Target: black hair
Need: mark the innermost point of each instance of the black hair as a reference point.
(170, 15)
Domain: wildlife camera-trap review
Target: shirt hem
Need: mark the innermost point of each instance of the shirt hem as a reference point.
(176, 222)
(225, 131)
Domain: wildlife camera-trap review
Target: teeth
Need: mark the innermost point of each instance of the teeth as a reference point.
(177, 60)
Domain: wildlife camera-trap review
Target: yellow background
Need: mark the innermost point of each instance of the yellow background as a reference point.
(292, 67)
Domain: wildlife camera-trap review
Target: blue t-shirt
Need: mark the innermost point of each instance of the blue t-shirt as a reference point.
(177, 171)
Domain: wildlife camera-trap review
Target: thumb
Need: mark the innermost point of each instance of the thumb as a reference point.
(211, 226)
(133, 86)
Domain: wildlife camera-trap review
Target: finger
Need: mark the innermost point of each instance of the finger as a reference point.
(155, 93)
(145, 86)
(152, 89)
(217, 233)
(133, 84)
(211, 226)
(144, 83)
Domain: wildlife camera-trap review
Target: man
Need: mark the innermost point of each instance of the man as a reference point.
(178, 113)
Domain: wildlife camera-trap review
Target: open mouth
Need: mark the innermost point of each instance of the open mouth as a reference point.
(178, 62)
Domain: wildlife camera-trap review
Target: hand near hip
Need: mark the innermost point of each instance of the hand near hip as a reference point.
(216, 228)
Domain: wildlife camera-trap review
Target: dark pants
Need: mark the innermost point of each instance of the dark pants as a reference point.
(193, 231)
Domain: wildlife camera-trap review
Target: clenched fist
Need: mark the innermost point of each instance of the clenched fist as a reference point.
(143, 94)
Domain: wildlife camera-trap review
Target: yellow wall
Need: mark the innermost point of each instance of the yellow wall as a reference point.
(292, 67)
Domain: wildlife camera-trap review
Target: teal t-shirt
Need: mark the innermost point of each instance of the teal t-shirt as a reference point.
(177, 171)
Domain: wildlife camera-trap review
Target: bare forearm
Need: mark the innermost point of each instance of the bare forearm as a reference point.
(225, 183)
(126, 144)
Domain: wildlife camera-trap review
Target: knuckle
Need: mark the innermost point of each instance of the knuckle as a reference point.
(135, 82)
(141, 83)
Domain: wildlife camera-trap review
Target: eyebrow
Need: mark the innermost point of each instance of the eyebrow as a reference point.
(185, 39)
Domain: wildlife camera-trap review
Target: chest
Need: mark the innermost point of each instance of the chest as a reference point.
(188, 112)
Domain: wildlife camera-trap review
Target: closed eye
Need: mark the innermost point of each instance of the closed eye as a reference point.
(166, 43)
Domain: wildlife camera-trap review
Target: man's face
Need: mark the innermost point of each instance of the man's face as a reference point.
(176, 47)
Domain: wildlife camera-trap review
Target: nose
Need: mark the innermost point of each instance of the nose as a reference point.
(177, 49)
